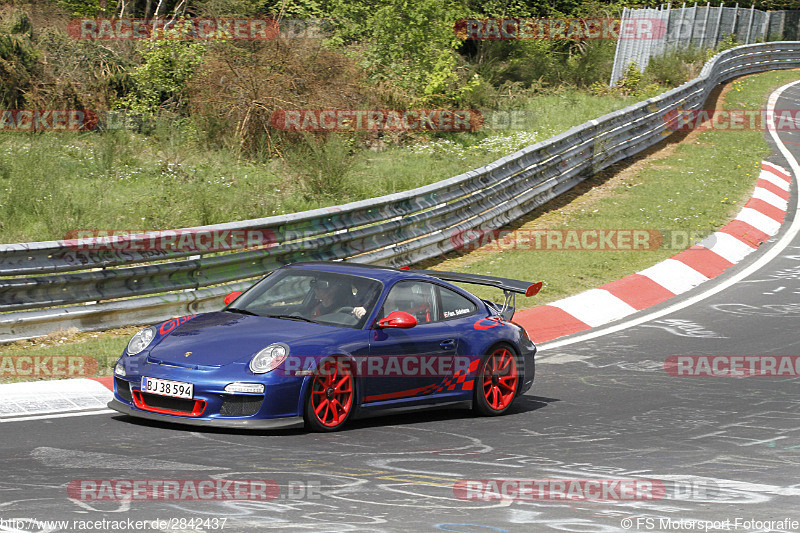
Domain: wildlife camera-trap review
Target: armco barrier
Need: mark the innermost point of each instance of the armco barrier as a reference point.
(397, 229)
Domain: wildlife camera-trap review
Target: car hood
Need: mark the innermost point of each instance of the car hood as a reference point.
(217, 339)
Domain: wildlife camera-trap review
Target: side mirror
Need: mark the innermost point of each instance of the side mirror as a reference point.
(231, 297)
(398, 319)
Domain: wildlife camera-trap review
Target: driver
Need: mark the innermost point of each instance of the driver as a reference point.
(329, 299)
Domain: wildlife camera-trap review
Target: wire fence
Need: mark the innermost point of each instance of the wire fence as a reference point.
(95, 284)
(700, 26)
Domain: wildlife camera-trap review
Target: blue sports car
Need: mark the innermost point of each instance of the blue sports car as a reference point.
(320, 343)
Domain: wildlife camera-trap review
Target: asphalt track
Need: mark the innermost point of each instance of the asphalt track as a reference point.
(602, 407)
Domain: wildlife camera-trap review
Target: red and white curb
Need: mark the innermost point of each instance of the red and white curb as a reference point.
(760, 218)
(34, 400)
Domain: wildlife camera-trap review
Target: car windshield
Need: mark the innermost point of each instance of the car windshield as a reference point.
(311, 296)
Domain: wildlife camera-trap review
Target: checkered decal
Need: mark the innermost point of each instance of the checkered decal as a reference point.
(459, 381)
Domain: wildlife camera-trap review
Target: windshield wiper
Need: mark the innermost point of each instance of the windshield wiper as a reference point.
(241, 311)
(291, 317)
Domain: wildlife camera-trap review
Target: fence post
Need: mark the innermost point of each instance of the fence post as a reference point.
(750, 24)
(765, 34)
(694, 21)
(666, 29)
(615, 69)
(735, 21)
(719, 23)
(705, 24)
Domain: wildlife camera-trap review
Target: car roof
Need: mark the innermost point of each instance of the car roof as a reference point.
(377, 272)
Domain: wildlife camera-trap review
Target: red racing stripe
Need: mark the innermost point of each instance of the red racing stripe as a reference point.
(768, 209)
(547, 322)
(703, 260)
(775, 171)
(745, 233)
(640, 292)
(108, 381)
(774, 189)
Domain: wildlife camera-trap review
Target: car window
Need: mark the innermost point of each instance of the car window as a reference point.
(288, 291)
(454, 305)
(416, 298)
(315, 296)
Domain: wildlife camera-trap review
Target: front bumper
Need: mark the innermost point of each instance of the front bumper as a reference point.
(240, 423)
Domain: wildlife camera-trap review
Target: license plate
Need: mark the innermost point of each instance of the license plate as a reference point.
(164, 387)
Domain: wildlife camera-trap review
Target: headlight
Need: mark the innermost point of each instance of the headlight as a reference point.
(141, 340)
(269, 358)
(119, 369)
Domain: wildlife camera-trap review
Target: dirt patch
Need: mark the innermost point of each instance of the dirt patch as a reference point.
(67, 336)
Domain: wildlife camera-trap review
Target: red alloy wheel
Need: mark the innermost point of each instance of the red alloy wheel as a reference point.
(331, 394)
(499, 379)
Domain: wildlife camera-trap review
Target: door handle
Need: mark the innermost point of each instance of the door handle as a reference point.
(448, 344)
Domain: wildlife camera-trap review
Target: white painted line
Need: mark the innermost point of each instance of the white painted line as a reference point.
(759, 220)
(594, 307)
(775, 180)
(771, 198)
(674, 276)
(759, 263)
(57, 415)
(727, 246)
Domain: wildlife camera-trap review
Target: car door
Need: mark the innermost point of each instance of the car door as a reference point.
(406, 363)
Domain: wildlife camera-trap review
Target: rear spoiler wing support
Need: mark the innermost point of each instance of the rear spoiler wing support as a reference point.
(510, 287)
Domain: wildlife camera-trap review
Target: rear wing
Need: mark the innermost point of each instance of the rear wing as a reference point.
(510, 287)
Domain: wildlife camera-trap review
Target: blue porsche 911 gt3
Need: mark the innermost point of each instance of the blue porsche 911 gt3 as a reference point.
(320, 343)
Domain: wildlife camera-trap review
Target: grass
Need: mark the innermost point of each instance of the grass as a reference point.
(56, 182)
(104, 347)
(695, 186)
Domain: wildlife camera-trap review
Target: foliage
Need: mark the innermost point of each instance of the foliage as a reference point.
(412, 43)
(87, 8)
(678, 66)
(322, 164)
(160, 80)
(18, 61)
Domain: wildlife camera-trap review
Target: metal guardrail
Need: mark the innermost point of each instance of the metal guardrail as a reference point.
(396, 230)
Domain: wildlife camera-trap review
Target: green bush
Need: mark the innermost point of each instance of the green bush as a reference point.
(18, 61)
(160, 80)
